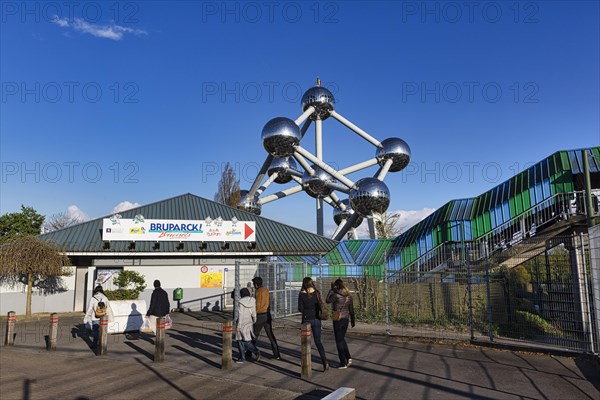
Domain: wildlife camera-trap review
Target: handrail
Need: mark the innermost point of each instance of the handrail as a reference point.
(496, 238)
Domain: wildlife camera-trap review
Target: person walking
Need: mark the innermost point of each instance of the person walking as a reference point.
(309, 307)
(245, 326)
(263, 316)
(159, 305)
(91, 319)
(339, 296)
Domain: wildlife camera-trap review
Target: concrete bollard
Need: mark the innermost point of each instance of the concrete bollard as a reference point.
(53, 335)
(306, 342)
(159, 341)
(227, 359)
(343, 393)
(9, 340)
(102, 336)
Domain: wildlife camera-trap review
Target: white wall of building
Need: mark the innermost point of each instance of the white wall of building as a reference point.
(71, 298)
(187, 277)
(14, 297)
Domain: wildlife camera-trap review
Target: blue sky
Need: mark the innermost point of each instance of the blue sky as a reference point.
(111, 102)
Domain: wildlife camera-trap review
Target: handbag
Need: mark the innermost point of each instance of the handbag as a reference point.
(336, 315)
(323, 310)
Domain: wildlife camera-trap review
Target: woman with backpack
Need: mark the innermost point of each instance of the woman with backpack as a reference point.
(97, 308)
(342, 315)
(309, 304)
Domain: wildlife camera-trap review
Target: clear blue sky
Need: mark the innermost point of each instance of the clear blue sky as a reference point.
(105, 102)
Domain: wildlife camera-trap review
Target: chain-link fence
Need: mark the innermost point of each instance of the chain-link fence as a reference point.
(543, 290)
(539, 291)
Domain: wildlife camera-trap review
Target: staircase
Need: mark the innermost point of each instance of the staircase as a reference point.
(509, 244)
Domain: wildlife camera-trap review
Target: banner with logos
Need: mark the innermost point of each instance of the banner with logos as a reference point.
(209, 230)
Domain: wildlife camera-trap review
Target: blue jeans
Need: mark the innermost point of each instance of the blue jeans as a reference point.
(315, 325)
(244, 346)
(95, 335)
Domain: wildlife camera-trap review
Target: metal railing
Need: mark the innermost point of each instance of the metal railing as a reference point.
(527, 224)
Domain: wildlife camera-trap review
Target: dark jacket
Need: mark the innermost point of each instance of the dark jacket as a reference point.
(159, 303)
(308, 305)
(341, 303)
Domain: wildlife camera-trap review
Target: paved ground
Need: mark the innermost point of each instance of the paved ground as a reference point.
(385, 367)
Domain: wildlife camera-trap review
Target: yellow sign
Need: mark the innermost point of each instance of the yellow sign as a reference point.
(211, 280)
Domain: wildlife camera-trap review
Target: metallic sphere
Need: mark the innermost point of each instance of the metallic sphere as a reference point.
(369, 196)
(316, 185)
(280, 136)
(340, 216)
(281, 166)
(249, 204)
(321, 99)
(395, 149)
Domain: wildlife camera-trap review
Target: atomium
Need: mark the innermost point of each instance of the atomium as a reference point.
(249, 204)
(340, 216)
(289, 159)
(316, 185)
(282, 166)
(321, 99)
(280, 136)
(369, 196)
(394, 149)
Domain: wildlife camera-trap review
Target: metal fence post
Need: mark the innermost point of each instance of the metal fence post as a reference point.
(489, 297)
(9, 339)
(586, 294)
(320, 275)
(469, 280)
(385, 294)
(236, 295)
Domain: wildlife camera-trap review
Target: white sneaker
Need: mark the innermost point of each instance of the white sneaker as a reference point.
(349, 362)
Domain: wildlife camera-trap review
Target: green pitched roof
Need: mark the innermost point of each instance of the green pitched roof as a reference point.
(271, 236)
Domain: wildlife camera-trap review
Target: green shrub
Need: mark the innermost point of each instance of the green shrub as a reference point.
(534, 324)
(124, 281)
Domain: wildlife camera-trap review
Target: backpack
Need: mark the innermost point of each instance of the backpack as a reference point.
(100, 309)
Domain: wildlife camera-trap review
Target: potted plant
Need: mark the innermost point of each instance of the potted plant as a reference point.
(128, 310)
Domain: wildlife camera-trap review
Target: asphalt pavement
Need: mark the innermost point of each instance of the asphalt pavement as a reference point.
(384, 366)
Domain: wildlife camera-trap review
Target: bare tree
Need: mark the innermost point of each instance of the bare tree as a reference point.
(61, 220)
(386, 225)
(228, 191)
(27, 259)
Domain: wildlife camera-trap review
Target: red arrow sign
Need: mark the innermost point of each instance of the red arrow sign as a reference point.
(247, 231)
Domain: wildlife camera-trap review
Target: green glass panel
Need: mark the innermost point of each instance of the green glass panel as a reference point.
(512, 206)
(526, 200)
(487, 222)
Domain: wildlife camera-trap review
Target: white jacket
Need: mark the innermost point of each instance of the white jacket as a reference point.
(246, 319)
(90, 316)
